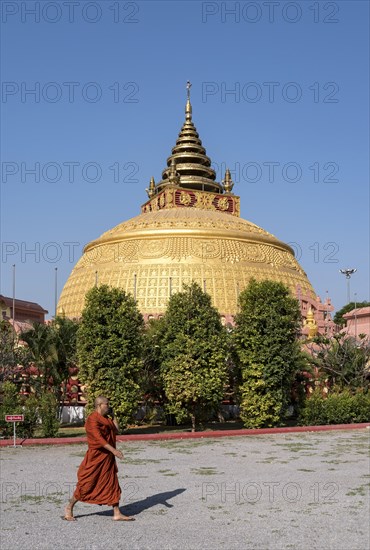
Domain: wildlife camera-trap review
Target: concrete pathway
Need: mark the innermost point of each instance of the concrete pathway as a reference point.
(303, 490)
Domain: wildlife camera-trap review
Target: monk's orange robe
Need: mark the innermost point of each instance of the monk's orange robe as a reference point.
(97, 474)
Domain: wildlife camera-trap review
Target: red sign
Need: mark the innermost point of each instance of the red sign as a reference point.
(14, 417)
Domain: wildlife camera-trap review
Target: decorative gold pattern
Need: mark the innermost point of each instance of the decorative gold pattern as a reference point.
(173, 196)
(223, 283)
(185, 198)
(223, 203)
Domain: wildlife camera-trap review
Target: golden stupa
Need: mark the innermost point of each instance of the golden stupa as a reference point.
(189, 230)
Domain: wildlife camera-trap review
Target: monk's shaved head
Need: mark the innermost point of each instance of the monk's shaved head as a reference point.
(100, 400)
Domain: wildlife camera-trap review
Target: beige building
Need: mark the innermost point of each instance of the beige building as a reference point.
(23, 310)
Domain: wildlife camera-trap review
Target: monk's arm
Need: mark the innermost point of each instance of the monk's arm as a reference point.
(116, 452)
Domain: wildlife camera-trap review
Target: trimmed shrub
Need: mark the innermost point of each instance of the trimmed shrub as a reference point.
(313, 412)
(31, 417)
(361, 407)
(10, 405)
(48, 411)
(337, 408)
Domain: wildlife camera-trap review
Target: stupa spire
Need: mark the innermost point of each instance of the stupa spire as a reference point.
(193, 166)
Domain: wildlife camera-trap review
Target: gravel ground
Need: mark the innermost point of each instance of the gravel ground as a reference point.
(282, 491)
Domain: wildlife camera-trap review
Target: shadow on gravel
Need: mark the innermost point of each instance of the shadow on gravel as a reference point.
(141, 505)
(149, 502)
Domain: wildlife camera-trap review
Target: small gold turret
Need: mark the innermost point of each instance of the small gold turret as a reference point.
(173, 176)
(311, 324)
(151, 190)
(227, 183)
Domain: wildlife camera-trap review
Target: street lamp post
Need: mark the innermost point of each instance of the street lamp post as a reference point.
(348, 273)
(55, 292)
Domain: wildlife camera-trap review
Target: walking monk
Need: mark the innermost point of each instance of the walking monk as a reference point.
(97, 474)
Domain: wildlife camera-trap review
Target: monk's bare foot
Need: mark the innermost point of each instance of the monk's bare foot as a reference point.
(68, 514)
(121, 517)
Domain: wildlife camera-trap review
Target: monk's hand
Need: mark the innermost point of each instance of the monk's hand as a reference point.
(118, 453)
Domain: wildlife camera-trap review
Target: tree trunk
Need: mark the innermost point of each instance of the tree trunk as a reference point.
(193, 422)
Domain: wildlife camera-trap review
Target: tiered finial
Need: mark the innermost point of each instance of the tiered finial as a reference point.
(189, 163)
(188, 86)
(188, 109)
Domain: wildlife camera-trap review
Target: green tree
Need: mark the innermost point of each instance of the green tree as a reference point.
(13, 403)
(10, 403)
(13, 356)
(338, 317)
(266, 344)
(151, 383)
(48, 413)
(109, 348)
(65, 342)
(343, 361)
(40, 340)
(193, 355)
(51, 349)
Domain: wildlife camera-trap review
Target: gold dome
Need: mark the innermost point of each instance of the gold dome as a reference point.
(189, 230)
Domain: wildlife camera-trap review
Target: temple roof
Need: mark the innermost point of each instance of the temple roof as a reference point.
(22, 304)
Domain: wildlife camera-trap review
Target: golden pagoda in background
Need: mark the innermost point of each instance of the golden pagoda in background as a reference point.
(188, 230)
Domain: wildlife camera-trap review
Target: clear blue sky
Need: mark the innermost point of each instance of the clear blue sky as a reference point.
(280, 95)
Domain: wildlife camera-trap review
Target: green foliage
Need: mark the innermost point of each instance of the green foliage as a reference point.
(194, 385)
(43, 355)
(193, 355)
(259, 406)
(13, 403)
(31, 416)
(65, 342)
(150, 379)
(13, 358)
(109, 346)
(339, 407)
(48, 413)
(10, 404)
(343, 361)
(120, 387)
(268, 352)
(52, 350)
(338, 317)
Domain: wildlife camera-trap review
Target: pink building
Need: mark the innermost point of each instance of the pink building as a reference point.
(316, 315)
(358, 322)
